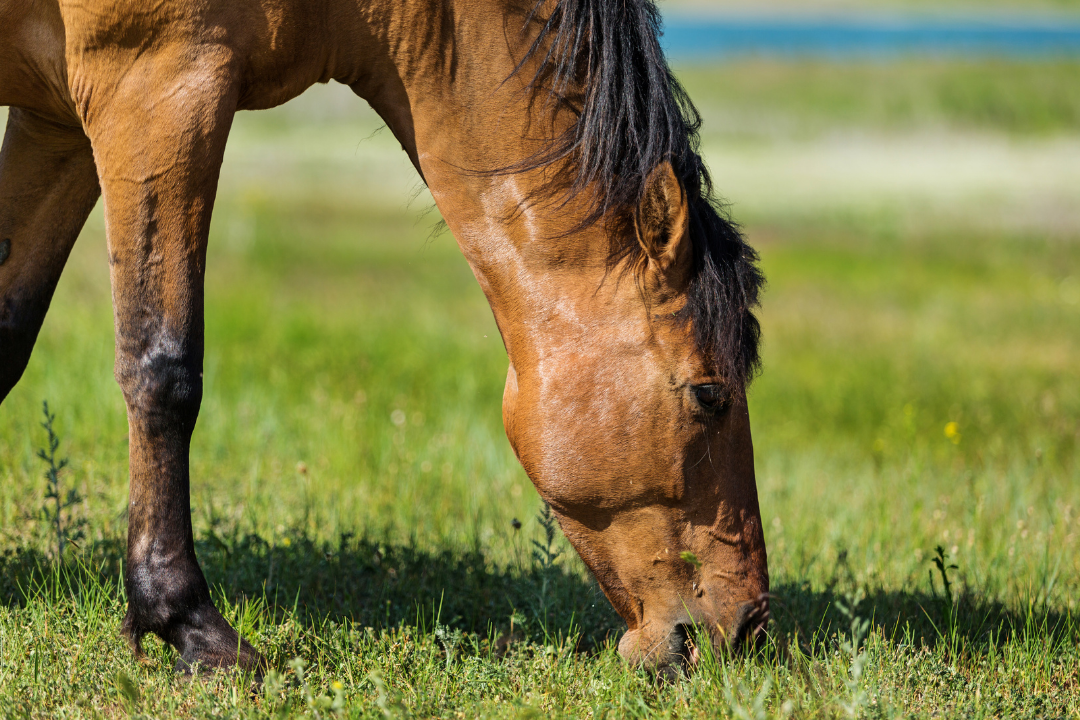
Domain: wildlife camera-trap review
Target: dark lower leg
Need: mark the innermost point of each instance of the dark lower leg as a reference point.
(167, 593)
(159, 349)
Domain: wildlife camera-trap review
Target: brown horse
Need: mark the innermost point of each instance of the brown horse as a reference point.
(562, 154)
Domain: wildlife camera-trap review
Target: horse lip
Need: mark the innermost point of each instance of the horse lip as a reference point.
(694, 656)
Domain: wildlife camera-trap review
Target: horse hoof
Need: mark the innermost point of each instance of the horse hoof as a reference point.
(224, 650)
(205, 642)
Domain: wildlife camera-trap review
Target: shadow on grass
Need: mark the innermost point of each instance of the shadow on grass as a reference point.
(383, 585)
(920, 618)
(380, 585)
(365, 581)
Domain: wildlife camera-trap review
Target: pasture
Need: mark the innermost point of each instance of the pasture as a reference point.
(357, 506)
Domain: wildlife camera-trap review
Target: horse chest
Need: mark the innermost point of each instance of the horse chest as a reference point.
(32, 69)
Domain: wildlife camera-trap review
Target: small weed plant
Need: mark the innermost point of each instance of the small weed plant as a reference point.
(852, 646)
(949, 631)
(56, 509)
(544, 556)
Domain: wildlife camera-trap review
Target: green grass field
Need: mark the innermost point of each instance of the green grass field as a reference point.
(353, 492)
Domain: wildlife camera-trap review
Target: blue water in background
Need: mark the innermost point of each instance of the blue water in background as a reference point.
(715, 38)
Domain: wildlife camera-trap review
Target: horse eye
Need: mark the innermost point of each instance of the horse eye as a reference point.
(712, 398)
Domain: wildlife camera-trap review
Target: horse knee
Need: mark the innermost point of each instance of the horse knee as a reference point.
(162, 384)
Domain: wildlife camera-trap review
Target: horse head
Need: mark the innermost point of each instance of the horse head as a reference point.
(627, 407)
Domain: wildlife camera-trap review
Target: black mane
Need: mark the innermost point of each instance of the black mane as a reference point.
(602, 59)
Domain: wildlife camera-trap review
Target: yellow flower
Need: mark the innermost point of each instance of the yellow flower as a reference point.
(286, 542)
(952, 431)
(336, 685)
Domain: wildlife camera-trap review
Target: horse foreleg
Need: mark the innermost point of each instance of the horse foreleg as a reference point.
(159, 135)
(48, 185)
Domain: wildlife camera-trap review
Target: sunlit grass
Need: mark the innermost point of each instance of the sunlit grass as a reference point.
(353, 493)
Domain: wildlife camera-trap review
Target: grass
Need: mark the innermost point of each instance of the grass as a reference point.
(355, 500)
(764, 99)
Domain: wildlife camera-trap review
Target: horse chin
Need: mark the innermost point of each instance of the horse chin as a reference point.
(667, 654)
(673, 649)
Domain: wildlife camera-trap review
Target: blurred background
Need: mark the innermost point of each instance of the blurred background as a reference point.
(909, 172)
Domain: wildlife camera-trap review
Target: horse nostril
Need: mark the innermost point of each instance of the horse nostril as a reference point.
(681, 653)
(679, 642)
(752, 618)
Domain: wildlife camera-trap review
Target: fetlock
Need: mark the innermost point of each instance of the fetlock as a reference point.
(174, 603)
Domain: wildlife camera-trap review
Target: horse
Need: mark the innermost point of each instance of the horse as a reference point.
(562, 154)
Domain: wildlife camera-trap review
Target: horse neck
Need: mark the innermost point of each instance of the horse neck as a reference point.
(446, 87)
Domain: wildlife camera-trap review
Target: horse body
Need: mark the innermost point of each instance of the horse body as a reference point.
(628, 427)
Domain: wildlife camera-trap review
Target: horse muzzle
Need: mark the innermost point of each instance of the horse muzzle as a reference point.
(673, 648)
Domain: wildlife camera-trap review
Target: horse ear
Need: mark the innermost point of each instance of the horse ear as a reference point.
(662, 221)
